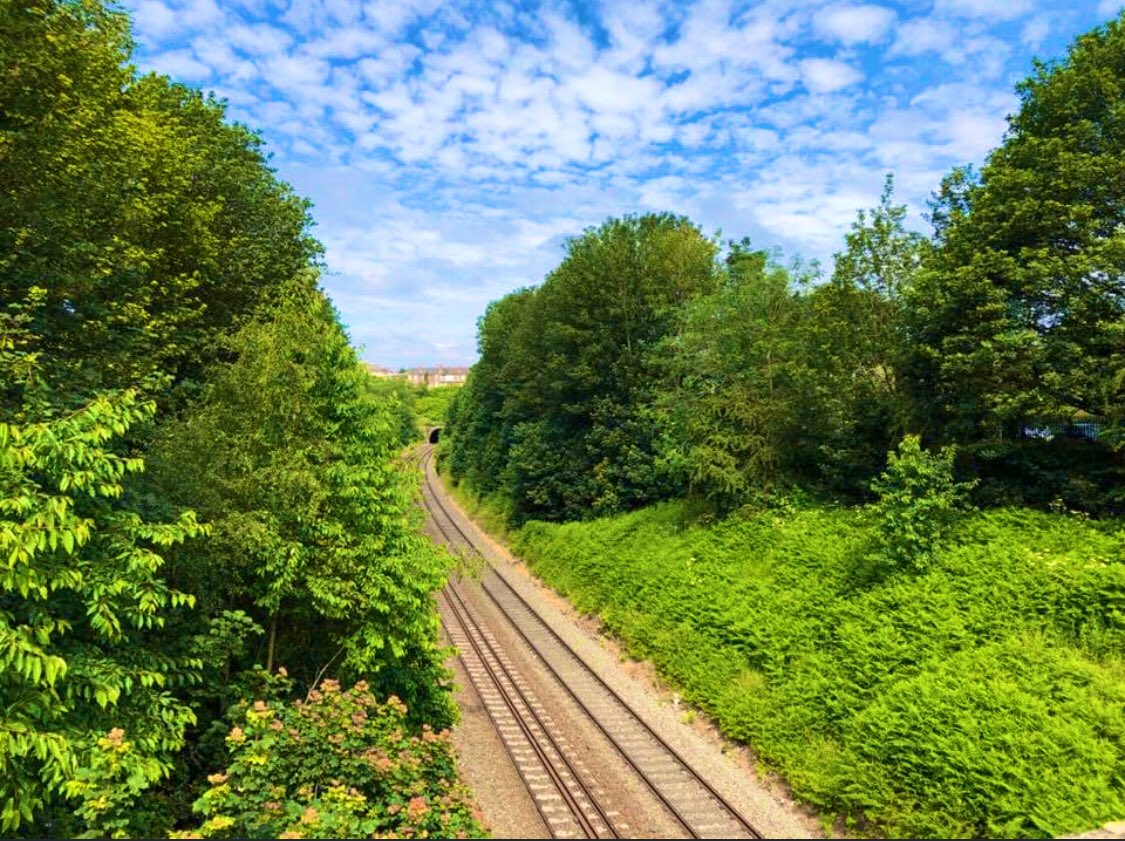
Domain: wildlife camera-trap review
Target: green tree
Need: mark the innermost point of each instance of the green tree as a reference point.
(151, 223)
(728, 410)
(1017, 319)
(853, 403)
(918, 502)
(481, 415)
(579, 365)
(292, 455)
(83, 599)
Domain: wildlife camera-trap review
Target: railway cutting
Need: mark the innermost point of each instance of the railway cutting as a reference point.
(567, 792)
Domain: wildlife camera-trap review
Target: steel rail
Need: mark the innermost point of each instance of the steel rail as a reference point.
(471, 628)
(465, 619)
(732, 813)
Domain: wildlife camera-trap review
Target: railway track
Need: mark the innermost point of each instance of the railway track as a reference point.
(698, 808)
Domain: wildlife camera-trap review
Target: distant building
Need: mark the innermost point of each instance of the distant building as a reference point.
(379, 371)
(429, 377)
(439, 376)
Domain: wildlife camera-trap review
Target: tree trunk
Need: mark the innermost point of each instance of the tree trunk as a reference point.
(270, 647)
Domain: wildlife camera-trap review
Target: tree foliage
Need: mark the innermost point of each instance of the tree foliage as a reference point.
(1018, 319)
(157, 223)
(644, 368)
(568, 368)
(386, 781)
(83, 603)
(917, 504)
(159, 309)
(733, 367)
(290, 454)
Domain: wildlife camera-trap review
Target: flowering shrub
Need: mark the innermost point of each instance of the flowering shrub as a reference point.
(339, 764)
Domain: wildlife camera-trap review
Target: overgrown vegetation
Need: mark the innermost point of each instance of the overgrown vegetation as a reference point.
(431, 404)
(338, 764)
(653, 362)
(199, 483)
(983, 695)
(882, 605)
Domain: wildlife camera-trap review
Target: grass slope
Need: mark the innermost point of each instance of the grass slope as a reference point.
(983, 698)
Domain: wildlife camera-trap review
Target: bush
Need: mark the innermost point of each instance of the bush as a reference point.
(918, 501)
(339, 764)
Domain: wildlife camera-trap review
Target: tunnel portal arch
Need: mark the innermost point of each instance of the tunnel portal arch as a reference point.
(435, 434)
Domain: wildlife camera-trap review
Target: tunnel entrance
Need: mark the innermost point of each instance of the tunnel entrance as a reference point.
(435, 434)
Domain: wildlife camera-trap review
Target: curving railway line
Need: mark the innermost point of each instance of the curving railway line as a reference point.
(567, 795)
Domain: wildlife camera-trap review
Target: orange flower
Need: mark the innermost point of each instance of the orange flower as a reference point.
(217, 779)
(416, 808)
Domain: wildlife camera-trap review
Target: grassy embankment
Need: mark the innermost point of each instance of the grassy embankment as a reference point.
(983, 698)
(430, 404)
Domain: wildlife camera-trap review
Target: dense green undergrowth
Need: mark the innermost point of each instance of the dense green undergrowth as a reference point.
(982, 697)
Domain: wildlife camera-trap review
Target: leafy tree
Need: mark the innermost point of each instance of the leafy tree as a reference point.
(918, 502)
(403, 404)
(853, 403)
(148, 253)
(82, 597)
(152, 224)
(729, 410)
(291, 454)
(481, 417)
(1017, 318)
(576, 361)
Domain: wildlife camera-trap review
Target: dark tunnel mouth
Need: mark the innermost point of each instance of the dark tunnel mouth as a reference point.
(435, 434)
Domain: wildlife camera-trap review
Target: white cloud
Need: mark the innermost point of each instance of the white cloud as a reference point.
(923, 35)
(285, 71)
(450, 146)
(155, 19)
(824, 75)
(1110, 8)
(258, 39)
(197, 13)
(182, 64)
(1035, 30)
(854, 24)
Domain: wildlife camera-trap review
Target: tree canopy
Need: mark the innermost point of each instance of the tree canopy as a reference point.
(649, 366)
(200, 485)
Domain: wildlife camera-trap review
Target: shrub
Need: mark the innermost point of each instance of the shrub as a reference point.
(339, 764)
(918, 501)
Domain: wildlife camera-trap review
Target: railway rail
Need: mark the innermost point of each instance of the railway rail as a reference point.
(699, 809)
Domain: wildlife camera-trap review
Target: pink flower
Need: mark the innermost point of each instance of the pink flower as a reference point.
(416, 808)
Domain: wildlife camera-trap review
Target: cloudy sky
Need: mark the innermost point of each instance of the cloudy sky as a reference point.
(451, 147)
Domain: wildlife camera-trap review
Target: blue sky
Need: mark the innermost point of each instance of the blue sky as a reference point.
(450, 147)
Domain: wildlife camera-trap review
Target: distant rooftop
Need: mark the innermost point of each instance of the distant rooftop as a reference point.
(435, 375)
